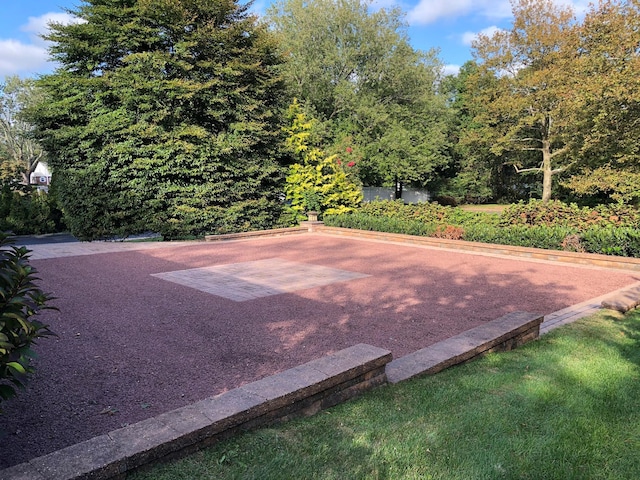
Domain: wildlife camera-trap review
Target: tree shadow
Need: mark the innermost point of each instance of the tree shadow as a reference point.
(132, 346)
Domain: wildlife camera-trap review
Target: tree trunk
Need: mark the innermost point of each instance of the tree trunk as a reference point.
(547, 171)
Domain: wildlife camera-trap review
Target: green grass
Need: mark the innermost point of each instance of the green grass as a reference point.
(564, 407)
(485, 208)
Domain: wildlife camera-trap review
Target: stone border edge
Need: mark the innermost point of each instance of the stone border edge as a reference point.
(300, 391)
(586, 259)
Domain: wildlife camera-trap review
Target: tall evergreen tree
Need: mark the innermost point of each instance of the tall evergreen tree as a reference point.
(164, 115)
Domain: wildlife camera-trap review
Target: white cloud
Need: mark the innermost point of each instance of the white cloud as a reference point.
(37, 26)
(18, 57)
(451, 69)
(430, 11)
(469, 37)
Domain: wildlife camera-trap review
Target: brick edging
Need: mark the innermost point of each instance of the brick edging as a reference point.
(576, 258)
(299, 391)
(274, 232)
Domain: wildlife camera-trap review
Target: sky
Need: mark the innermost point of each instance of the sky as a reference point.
(446, 25)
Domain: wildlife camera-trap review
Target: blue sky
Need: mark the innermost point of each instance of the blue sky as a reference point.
(448, 25)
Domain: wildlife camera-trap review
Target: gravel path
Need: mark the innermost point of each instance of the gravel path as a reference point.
(132, 345)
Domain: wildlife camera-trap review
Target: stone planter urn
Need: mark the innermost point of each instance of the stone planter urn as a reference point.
(312, 216)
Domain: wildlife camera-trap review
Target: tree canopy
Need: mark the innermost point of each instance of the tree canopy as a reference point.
(20, 153)
(608, 101)
(528, 104)
(354, 70)
(164, 115)
(563, 94)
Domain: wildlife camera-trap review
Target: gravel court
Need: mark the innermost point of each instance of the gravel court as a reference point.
(132, 345)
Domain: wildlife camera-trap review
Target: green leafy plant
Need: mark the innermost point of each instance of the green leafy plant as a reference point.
(318, 182)
(554, 213)
(622, 241)
(606, 229)
(20, 302)
(28, 212)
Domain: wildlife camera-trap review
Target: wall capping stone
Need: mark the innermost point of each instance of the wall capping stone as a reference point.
(501, 334)
(300, 391)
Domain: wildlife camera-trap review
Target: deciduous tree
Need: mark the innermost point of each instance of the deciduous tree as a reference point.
(608, 101)
(20, 153)
(355, 70)
(530, 106)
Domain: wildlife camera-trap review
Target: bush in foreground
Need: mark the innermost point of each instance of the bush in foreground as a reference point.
(20, 302)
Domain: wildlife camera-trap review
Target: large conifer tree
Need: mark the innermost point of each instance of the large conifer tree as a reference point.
(163, 115)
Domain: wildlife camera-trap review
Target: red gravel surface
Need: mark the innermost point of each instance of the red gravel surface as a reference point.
(131, 345)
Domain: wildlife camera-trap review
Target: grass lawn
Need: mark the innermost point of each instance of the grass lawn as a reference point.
(485, 208)
(564, 407)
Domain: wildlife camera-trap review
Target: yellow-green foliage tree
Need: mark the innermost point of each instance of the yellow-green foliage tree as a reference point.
(317, 181)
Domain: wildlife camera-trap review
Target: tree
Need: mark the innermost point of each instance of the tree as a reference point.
(355, 71)
(608, 101)
(470, 175)
(317, 182)
(20, 153)
(529, 105)
(164, 116)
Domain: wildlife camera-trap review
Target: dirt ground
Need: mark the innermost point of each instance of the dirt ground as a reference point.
(131, 345)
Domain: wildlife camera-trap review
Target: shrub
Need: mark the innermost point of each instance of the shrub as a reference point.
(606, 229)
(542, 236)
(20, 302)
(573, 243)
(380, 224)
(449, 232)
(428, 213)
(622, 241)
(555, 213)
(28, 213)
(318, 181)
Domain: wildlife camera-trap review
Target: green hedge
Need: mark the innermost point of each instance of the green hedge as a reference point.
(427, 213)
(550, 238)
(554, 213)
(606, 229)
(623, 241)
(541, 237)
(28, 213)
(380, 224)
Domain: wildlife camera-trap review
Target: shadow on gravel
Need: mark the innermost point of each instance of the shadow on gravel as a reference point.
(26, 240)
(131, 345)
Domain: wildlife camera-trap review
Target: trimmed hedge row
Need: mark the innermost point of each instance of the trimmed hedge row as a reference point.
(616, 236)
(555, 212)
(427, 213)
